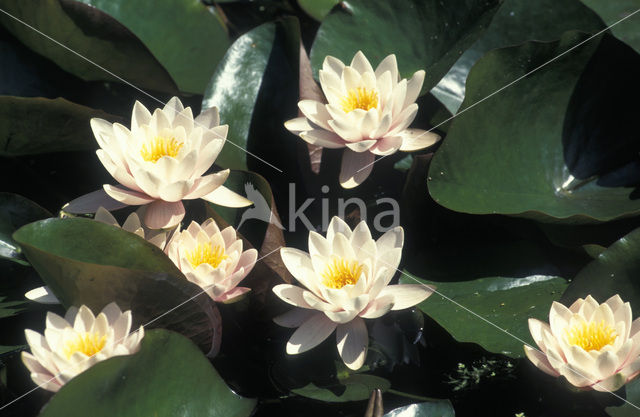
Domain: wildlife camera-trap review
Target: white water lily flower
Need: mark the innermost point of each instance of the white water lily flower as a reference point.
(73, 344)
(212, 259)
(345, 278)
(368, 112)
(160, 161)
(594, 346)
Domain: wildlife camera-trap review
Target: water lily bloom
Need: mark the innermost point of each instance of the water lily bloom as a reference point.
(594, 346)
(73, 344)
(345, 279)
(367, 111)
(212, 258)
(162, 159)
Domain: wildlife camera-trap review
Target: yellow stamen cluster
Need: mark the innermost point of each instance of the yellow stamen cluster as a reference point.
(340, 273)
(360, 98)
(159, 147)
(592, 335)
(205, 253)
(87, 343)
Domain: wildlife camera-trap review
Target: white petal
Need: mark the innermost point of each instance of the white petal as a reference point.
(310, 334)
(227, 198)
(388, 64)
(128, 197)
(559, 318)
(360, 63)
(355, 168)
(324, 138)
(540, 361)
(353, 342)
(416, 139)
(209, 118)
(316, 112)
(297, 125)
(42, 295)
(407, 295)
(291, 294)
(414, 85)
(294, 318)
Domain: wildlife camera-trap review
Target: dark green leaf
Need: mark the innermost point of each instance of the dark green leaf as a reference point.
(424, 34)
(16, 211)
(317, 9)
(91, 34)
(354, 388)
(506, 302)
(168, 376)
(186, 36)
(10, 308)
(91, 263)
(431, 409)
(612, 11)
(542, 147)
(632, 394)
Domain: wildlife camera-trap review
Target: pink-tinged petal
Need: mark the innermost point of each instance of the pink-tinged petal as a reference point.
(103, 216)
(42, 295)
(207, 184)
(559, 317)
(377, 308)
(407, 295)
(128, 197)
(611, 383)
(231, 294)
(209, 118)
(540, 360)
(353, 342)
(355, 168)
(360, 63)
(297, 125)
(300, 266)
(247, 260)
(388, 64)
(291, 294)
(310, 334)
(577, 377)
(90, 203)
(404, 119)
(316, 112)
(119, 173)
(536, 328)
(324, 138)
(227, 198)
(416, 139)
(387, 145)
(294, 318)
(414, 85)
(607, 363)
(361, 146)
(139, 116)
(163, 215)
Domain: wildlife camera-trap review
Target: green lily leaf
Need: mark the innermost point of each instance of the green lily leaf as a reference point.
(632, 394)
(168, 376)
(318, 9)
(431, 409)
(355, 387)
(88, 262)
(10, 308)
(613, 11)
(614, 271)
(439, 33)
(39, 125)
(186, 36)
(92, 35)
(16, 211)
(541, 148)
(517, 21)
(506, 302)
(241, 88)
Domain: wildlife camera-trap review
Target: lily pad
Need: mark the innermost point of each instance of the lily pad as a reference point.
(439, 33)
(613, 11)
(88, 262)
(92, 35)
(318, 9)
(632, 394)
(16, 211)
(355, 387)
(10, 308)
(186, 36)
(506, 302)
(168, 376)
(431, 409)
(541, 148)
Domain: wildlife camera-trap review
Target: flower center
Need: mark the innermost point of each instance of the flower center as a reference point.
(360, 98)
(159, 147)
(87, 343)
(592, 335)
(204, 253)
(340, 273)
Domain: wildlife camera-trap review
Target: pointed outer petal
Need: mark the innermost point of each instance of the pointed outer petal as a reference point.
(33, 365)
(209, 118)
(353, 342)
(577, 377)
(348, 131)
(536, 328)
(369, 81)
(331, 84)
(635, 328)
(299, 265)
(39, 348)
(42, 295)
(103, 132)
(378, 281)
(361, 235)
(404, 119)
(393, 238)
(387, 145)
(172, 108)
(70, 315)
(223, 196)
(351, 78)
(540, 360)
(139, 116)
(119, 173)
(247, 260)
(318, 245)
(632, 370)
(355, 168)
(316, 112)
(207, 156)
(103, 216)
(407, 295)
(342, 317)
(603, 312)
(91, 202)
(341, 247)
(607, 364)
(161, 121)
(297, 125)
(163, 215)
(310, 334)
(388, 64)
(610, 384)
(360, 63)
(397, 101)
(100, 325)
(121, 326)
(294, 318)
(55, 322)
(231, 294)
(132, 223)
(291, 294)
(84, 320)
(559, 317)
(112, 312)
(382, 127)
(317, 304)
(416, 139)
(324, 138)
(377, 308)
(128, 197)
(333, 64)
(369, 123)
(338, 226)
(615, 302)
(361, 146)
(390, 259)
(206, 185)
(577, 305)
(385, 86)
(414, 85)
(184, 119)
